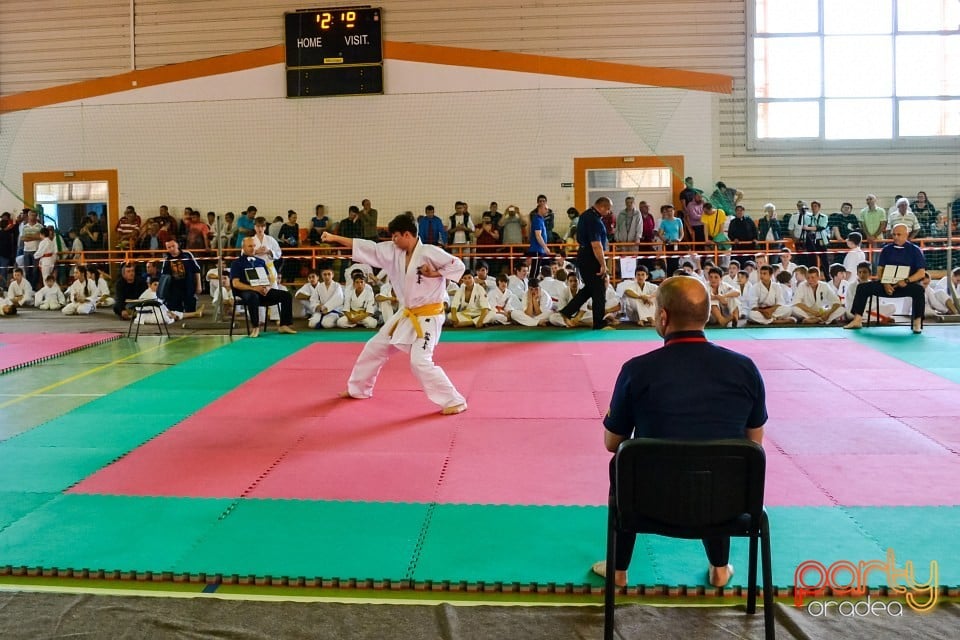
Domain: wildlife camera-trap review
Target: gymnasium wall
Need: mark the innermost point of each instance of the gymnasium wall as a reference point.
(46, 43)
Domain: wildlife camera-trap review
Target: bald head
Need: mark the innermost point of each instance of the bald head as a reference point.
(686, 304)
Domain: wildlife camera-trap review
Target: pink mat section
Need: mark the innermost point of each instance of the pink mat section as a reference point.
(533, 433)
(21, 349)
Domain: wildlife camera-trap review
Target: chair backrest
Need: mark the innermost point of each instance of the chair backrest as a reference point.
(682, 488)
(163, 287)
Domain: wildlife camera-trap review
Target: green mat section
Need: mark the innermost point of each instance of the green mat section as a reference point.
(919, 534)
(311, 539)
(108, 532)
(87, 425)
(15, 505)
(79, 443)
(499, 543)
(935, 350)
(51, 468)
(455, 543)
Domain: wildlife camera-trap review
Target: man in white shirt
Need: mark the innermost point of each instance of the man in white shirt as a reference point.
(902, 214)
(30, 236)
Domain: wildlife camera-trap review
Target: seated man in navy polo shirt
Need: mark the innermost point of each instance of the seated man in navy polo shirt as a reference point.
(653, 398)
(252, 296)
(900, 253)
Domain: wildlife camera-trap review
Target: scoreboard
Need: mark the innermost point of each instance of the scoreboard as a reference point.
(333, 52)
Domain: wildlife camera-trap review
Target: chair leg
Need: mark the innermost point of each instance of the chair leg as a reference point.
(610, 587)
(770, 631)
(162, 324)
(752, 577)
(133, 317)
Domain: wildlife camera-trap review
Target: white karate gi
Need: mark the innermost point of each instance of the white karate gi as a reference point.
(46, 257)
(762, 297)
(469, 308)
(22, 288)
(330, 303)
(388, 308)
(82, 296)
(636, 309)
(101, 294)
(556, 318)
(935, 302)
(517, 286)
(823, 298)
(308, 304)
(363, 301)
(413, 292)
(521, 317)
(50, 298)
(502, 305)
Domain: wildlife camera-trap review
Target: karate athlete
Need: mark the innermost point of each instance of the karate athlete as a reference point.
(418, 273)
(767, 302)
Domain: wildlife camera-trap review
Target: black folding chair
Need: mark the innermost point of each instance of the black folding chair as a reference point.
(691, 489)
(151, 306)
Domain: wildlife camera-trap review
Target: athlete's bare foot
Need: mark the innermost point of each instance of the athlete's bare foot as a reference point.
(255, 333)
(856, 323)
(720, 576)
(619, 577)
(450, 411)
(286, 329)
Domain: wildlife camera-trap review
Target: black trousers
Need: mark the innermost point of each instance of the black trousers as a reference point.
(593, 289)
(867, 290)
(179, 298)
(253, 299)
(718, 548)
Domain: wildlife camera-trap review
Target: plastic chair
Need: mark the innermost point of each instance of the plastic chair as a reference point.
(154, 306)
(691, 489)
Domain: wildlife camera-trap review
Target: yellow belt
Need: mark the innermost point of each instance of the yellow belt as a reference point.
(434, 309)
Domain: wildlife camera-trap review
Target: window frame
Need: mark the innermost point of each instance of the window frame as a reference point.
(935, 144)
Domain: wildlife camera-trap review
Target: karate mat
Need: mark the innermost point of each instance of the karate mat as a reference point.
(238, 463)
(22, 349)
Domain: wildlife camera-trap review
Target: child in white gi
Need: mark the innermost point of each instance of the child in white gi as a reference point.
(502, 302)
(329, 302)
(359, 306)
(50, 297)
(418, 273)
(469, 306)
(81, 295)
(20, 292)
(638, 297)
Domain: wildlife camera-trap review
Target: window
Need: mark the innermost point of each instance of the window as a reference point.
(854, 70)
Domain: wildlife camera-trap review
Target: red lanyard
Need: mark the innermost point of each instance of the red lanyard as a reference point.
(673, 341)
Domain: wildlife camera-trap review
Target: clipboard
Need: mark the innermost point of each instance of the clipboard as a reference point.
(257, 277)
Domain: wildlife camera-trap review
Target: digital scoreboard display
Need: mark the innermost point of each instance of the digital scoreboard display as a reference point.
(334, 51)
